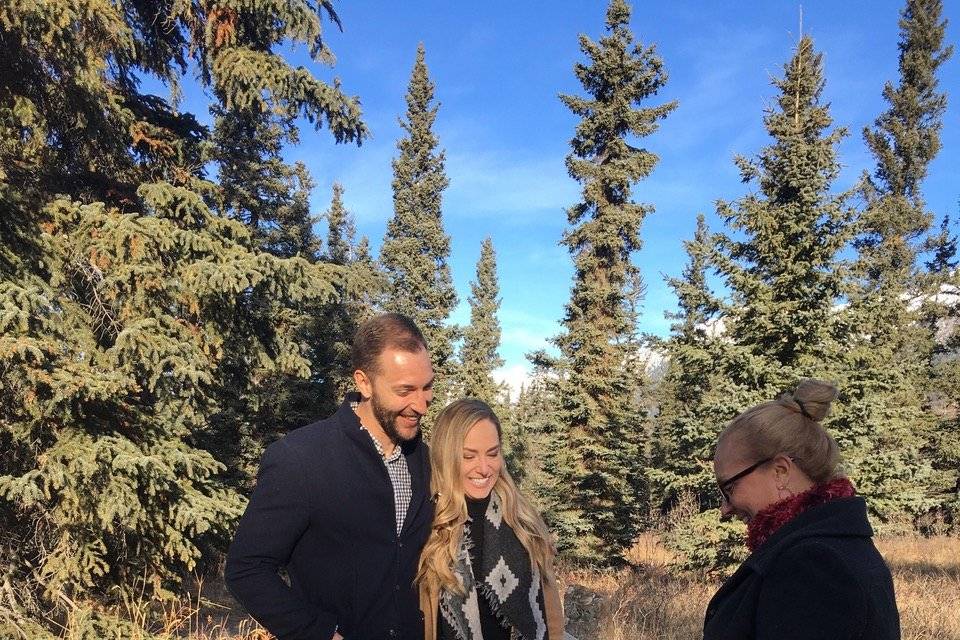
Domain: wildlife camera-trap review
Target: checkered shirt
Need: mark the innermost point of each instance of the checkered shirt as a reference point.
(399, 474)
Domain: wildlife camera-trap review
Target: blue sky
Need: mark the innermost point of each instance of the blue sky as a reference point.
(498, 67)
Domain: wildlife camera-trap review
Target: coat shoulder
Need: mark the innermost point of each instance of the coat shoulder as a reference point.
(321, 433)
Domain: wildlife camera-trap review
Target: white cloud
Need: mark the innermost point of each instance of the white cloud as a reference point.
(515, 376)
(483, 181)
(524, 339)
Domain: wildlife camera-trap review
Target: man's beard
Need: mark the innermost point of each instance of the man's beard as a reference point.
(388, 421)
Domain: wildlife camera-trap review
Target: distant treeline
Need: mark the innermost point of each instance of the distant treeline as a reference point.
(167, 307)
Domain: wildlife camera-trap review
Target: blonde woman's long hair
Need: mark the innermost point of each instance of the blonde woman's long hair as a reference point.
(446, 454)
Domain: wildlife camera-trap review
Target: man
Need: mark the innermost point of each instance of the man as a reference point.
(342, 505)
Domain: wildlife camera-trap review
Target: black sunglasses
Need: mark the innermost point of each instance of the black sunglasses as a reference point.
(724, 486)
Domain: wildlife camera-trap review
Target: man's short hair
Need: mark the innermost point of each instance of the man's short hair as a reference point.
(387, 331)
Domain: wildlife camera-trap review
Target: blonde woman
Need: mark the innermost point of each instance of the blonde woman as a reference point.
(487, 567)
(814, 572)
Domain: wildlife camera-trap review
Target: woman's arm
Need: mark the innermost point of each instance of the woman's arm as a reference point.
(553, 605)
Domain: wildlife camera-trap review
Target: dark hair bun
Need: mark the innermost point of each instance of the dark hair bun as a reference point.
(813, 397)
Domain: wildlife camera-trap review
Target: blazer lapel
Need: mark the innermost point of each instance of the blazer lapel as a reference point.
(371, 462)
(419, 480)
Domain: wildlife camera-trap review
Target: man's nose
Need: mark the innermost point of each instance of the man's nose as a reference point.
(422, 401)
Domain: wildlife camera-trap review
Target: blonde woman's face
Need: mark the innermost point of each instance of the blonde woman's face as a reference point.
(481, 460)
(749, 486)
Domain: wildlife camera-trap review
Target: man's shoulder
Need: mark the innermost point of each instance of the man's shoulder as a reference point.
(321, 434)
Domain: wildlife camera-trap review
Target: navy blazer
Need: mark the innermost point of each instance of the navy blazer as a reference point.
(818, 577)
(323, 510)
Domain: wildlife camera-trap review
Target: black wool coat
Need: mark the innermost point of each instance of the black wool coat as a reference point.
(323, 510)
(817, 577)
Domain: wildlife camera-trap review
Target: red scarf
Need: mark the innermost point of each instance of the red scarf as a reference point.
(768, 520)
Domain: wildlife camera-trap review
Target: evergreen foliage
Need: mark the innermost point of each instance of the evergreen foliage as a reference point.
(600, 398)
(481, 340)
(167, 307)
(416, 248)
(691, 412)
(258, 188)
(941, 315)
(541, 464)
(271, 198)
(781, 266)
(332, 325)
(888, 353)
(255, 116)
(702, 541)
(127, 293)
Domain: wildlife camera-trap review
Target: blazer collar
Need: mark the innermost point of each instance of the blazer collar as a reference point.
(414, 450)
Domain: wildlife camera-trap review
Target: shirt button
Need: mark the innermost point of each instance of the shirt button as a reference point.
(392, 633)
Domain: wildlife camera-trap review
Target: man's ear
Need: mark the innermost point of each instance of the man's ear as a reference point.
(364, 384)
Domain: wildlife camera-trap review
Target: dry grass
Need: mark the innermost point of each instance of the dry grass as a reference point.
(648, 601)
(642, 602)
(926, 573)
(204, 612)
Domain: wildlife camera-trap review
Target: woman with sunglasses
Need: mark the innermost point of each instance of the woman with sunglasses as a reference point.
(814, 571)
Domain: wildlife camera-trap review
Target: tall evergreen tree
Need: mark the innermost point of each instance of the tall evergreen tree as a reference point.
(688, 420)
(889, 351)
(941, 315)
(545, 454)
(600, 396)
(270, 196)
(341, 230)
(333, 324)
(258, 188)
(481, 340)
(123, 299)
(782, 266)
(416, 248)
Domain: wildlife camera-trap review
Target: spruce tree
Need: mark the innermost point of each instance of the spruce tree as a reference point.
(696, 400)
(600, 409)
(781, 266)
(258, 188)
(941, 315)
(334, 323)
(777, 324)
(688, 421)
(885, 421)
(481, 340)
(271, 198)
(546, 455)
(123, 299)
(255, 118)
(416, 248)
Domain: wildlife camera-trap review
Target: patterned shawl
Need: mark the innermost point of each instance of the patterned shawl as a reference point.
(508, 579)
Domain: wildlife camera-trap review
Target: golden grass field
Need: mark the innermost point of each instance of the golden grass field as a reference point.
(646, 601)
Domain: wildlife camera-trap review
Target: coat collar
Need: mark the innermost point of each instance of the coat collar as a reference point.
(838, 518)
(415, 452)
(770, 519)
